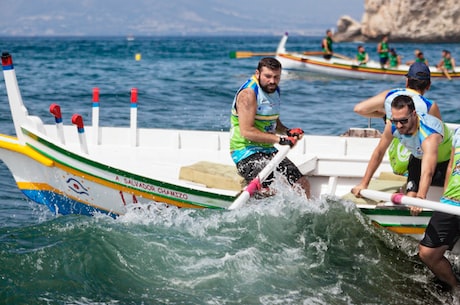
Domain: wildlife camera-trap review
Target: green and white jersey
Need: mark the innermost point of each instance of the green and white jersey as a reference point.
(268, 109)
(452, 192)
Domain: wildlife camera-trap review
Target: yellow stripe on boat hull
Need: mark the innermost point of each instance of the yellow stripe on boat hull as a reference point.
(25, 150)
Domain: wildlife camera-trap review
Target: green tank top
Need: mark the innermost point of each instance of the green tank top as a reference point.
(399, 154)
(399, 157)
(452, 193)
(268, 109)
(329, 44)
(384, 50)
(393, 61)
(361, 56)
(447, 64)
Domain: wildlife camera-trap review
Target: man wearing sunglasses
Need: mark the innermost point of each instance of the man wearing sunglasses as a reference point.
(428, 140)
(417, 83)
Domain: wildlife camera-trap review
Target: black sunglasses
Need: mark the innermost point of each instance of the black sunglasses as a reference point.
(402, 121)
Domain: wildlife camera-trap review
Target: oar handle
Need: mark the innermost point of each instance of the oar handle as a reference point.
(254, 185)
(399, 198)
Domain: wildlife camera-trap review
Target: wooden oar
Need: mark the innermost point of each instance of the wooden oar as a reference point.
(254, 185)
(333, 54)
(247, 54)
(341, 56)
(399, 198)
(313, 53)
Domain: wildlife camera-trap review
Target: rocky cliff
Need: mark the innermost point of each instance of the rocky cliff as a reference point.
(403, 20)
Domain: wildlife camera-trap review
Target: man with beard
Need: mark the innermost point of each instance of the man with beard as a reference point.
(256, 127)
(428, 140)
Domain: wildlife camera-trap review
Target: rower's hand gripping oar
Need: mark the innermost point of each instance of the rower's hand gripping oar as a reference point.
(399, 198)
(254, 185)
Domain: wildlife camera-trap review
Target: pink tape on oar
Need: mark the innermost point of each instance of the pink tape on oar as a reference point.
(253, 186)
(397, 198)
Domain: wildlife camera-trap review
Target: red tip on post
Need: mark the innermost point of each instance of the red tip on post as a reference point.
(96, 95)
(77, 120)
(134, 95)
(55, 110)
(7, 60)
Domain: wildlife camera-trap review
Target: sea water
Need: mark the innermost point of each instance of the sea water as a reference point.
(282, 250)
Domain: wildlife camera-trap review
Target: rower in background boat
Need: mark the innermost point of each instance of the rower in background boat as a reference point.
(395, 59)
(419, 57)
(384, 51)
(326, 45)
(446, 64)
(362, 57)
(410, 62)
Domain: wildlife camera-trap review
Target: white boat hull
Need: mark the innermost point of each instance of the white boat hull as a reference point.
(344, 68)
(103, 169)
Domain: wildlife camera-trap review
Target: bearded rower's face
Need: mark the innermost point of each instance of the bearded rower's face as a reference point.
(268, 79)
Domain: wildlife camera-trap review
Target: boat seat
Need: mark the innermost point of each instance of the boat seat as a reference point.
(226, 177)
(213, 175)
(385, 182)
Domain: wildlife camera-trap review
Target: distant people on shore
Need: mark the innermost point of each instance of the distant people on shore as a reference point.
(384, 51)
(395, 59)
(362, 57)
(446, 64)
(326, 45)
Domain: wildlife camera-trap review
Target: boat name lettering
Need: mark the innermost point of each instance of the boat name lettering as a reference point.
(139, 184)
(172, 193)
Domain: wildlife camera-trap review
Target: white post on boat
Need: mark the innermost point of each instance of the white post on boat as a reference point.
(95, 118)
(55, 110)
(282, 44)
(78, 120)
(18, 110)
(133, 124)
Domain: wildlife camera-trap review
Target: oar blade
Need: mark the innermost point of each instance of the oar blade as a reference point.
(248, 54)
(240, 54)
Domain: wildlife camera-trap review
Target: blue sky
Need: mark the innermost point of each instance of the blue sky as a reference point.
(173, 17)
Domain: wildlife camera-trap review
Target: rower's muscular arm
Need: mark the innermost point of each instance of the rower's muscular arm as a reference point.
(246, 106)
(375, 160)
(372, 107)
(434, 111)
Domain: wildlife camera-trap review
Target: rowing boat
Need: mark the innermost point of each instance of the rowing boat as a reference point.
(343, 67)
(74, 168)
